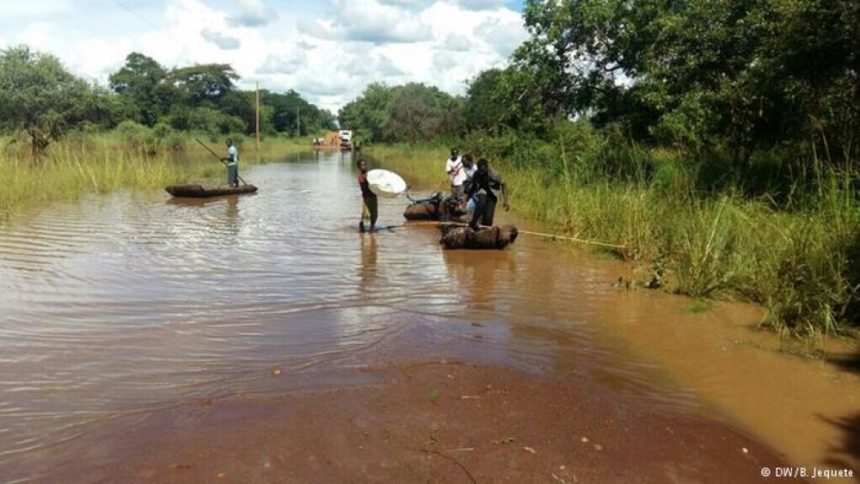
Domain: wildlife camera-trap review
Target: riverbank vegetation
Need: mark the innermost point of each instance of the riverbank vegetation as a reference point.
(61, 136)
(717, 141)
(131, 156)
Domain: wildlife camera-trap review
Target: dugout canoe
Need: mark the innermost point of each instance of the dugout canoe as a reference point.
(199, 191)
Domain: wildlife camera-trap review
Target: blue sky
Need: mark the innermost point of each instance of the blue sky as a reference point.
(327, 50)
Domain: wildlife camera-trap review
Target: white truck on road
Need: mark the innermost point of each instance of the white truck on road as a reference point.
(345, 139)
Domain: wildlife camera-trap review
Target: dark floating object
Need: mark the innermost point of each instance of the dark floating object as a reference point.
(438, 207)
(199, 191)
(457, 237)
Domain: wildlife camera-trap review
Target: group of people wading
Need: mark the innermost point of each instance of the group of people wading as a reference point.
(475, 190)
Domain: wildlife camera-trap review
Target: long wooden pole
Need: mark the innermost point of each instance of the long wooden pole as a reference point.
(258, 122)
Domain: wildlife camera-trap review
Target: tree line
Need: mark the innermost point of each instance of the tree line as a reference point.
(745, 85)
(40, 97)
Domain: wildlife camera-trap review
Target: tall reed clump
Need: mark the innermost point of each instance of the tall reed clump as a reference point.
(84, 164)
(802, 262)
(132, 156)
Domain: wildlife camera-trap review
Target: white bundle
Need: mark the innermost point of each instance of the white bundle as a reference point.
(385, 183)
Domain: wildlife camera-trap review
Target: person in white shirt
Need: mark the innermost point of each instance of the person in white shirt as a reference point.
(232, 160)
(456, 174)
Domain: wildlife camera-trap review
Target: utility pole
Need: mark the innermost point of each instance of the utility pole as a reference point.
(258, 122)
(298, 123)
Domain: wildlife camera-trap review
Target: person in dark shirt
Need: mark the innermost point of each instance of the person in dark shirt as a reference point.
(484, 184)
(370, 206)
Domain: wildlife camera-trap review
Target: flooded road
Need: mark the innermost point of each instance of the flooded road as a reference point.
(117, 308)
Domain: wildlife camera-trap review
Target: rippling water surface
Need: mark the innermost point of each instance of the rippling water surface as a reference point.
(132, 302)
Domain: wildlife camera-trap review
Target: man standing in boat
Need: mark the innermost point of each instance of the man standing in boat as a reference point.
(232, 160)
(469, 168)
(483, 185)
(369, 206)
(456, 173)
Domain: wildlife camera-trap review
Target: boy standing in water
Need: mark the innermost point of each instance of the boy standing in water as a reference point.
(369, 207)
(232, 160)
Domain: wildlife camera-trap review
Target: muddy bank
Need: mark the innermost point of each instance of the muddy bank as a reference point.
(449, 421)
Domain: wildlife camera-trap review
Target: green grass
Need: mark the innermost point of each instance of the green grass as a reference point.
(100, 163)
(700, 306)
(802, 264)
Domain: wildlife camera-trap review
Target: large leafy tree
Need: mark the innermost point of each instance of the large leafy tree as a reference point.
(413, 112)
(368, 115)
(293, 115)
(419, 113)
(39, 96)
(141, 83)
(741, 74)
(203, 84)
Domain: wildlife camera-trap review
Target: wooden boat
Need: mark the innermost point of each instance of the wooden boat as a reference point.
(437, 207)
(457, 237)
(199, 191)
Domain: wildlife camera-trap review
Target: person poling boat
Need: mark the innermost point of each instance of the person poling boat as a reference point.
(233, 178)
(226, 161)
(232, 160)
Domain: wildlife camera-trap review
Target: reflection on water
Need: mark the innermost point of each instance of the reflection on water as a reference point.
(127, 303)
(368, 260)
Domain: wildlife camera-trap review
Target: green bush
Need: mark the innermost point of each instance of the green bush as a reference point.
(137, 137)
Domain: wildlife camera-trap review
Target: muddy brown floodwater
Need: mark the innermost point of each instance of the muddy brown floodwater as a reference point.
(261, 339)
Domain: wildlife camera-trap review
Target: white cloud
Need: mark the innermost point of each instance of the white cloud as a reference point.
(223, 41)
(284, 62)
(480, 4)
(370, 21)
(36, 8)
(328, 52)
(253, 13)
(502, 34)
(37, 35)
(457, 42)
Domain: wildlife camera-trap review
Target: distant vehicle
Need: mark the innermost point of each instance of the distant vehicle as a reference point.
(345, 139)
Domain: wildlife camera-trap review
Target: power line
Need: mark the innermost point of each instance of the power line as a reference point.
(147, 22)
(141, 17)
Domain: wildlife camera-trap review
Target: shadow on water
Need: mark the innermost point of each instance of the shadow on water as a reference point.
(850, 363)
(846, 454)
(367, 271)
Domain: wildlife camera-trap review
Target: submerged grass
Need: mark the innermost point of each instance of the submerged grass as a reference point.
(100, 163)
(801, 264)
